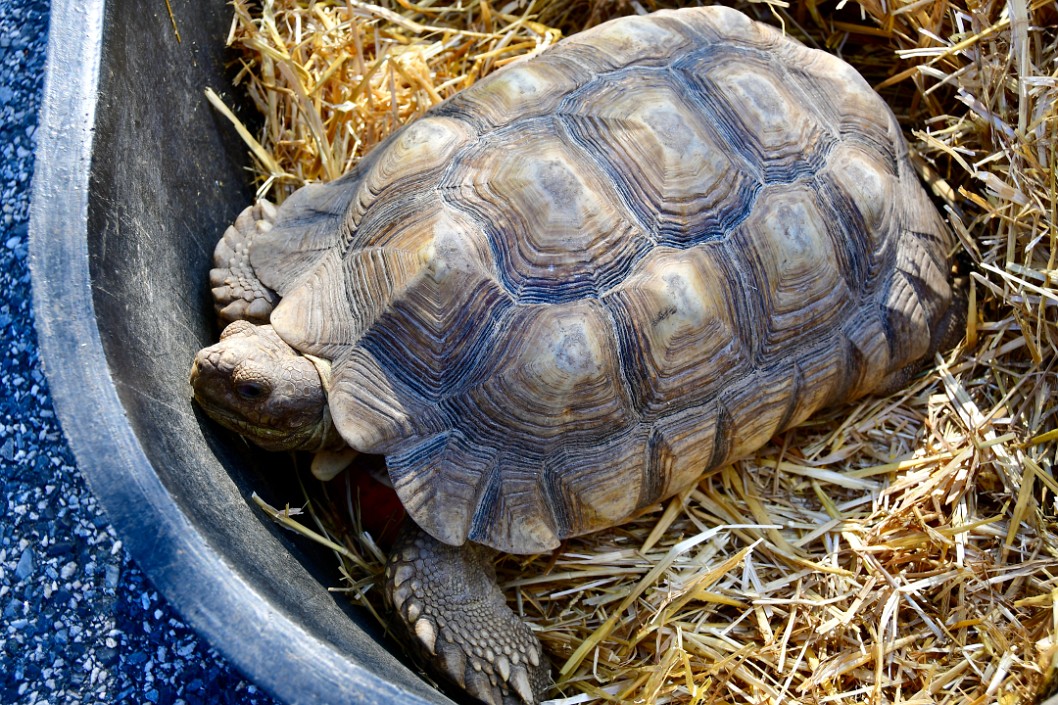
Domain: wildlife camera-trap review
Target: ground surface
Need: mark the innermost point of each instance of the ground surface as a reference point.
(79, 623)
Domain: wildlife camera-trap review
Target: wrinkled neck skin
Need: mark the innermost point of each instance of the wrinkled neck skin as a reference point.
(255, 384)
(325, 436)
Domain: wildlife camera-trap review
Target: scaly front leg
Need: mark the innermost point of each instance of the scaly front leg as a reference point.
(452, 610)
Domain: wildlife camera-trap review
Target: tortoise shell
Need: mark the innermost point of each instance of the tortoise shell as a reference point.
(572, 288)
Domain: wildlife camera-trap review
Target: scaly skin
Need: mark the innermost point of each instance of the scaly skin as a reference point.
(238, 295)
(255, 384)
(452, 610)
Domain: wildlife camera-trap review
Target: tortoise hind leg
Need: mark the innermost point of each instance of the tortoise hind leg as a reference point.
(448, 603)
(237, 292)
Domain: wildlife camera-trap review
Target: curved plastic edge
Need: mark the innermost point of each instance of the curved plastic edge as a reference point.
(278, 654)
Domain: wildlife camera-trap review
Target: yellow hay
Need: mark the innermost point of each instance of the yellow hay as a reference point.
(899, 550)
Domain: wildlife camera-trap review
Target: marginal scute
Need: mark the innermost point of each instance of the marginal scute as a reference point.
(588, 495)
(721, 24)
(410, 162)
(333, 307)
(917, 297)
(906, 319)
(755, 407)
(439, 481)
(821, 379)
(512, 512)
(921, 219)
(643, 40)
(526, 89)
(427, 145)
(868, 344)
(680, 448)
(369, 412)
(304, 231)
(400, 221)
(457, 491)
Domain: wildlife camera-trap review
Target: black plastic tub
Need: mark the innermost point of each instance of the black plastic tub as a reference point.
(136, 177)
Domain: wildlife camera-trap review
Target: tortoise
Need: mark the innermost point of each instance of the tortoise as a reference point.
(569, 290)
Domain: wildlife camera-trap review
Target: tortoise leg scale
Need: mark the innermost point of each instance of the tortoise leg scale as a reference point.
(237, 292)
(453, 613)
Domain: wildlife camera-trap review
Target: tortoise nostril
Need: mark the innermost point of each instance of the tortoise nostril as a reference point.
(251, 391)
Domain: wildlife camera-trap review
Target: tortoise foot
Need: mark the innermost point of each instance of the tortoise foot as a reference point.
(238, 295)
(452, 611)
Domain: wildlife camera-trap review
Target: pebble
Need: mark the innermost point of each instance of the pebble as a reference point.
(78, 621)
(24, 569)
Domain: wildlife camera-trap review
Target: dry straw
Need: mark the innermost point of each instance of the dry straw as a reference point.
(899, 550)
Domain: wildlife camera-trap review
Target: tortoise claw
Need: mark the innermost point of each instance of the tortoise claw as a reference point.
(449, 605)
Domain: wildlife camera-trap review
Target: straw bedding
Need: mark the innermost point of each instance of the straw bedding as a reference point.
(899, 550)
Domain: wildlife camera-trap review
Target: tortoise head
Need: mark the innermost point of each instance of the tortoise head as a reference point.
(255, 384)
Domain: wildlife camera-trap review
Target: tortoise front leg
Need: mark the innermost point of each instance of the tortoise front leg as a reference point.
(447, 601)
(238, 295)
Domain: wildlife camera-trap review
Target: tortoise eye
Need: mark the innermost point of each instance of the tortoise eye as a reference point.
(251, 391)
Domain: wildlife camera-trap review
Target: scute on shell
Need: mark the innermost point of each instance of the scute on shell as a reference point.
(574, 287)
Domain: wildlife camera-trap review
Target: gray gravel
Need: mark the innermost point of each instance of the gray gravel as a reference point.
(79, 623)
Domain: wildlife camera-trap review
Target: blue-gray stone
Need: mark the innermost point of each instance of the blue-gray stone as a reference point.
(113, 573)
(24, 569)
